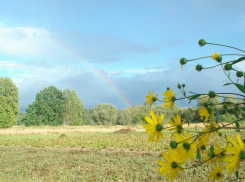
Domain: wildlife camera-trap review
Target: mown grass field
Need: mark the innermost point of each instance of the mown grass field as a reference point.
(37, 154)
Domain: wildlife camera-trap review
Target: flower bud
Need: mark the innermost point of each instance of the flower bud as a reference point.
(228, 67)
(183, 85)
(183, 61)
(168, 88)
(211, 94)
(179, 86)
(202, 42)
(218, 59)
(199, 67)
(225, 106)
(239, 73)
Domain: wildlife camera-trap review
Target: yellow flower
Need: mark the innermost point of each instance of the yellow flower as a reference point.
(170, 164)
(170, 98)
(202, 143)
(237, 154)
(211, 127)
(187, 148)
(204, 112)
(216, 173)
(151, 99)
(177, 126)
(217, 155)
(215, 55)
(155, 126)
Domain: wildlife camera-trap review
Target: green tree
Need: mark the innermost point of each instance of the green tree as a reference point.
(87, 117)
(9, 99)
(47, 109)
(123, 117)
(73, 108)
(105, 114)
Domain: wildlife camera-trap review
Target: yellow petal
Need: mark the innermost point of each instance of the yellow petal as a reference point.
(240, 142)
(233, 142)
(149, 130)
(150, 121)
(232, 150)
(153, 116)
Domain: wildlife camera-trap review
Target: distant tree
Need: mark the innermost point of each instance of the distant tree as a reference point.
(9, 99)
(123, 117)
(47, 109)
(87, 117)
(105, 114)
(73, 108)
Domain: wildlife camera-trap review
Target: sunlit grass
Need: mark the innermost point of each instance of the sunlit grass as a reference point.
(87, 157)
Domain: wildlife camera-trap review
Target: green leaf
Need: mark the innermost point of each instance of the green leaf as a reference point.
(238, 60)
(217, 116)
(211, 151)
(194, 97)
(192, 92)
(237, 124)
(194, 172)
(243, 108)
(226, 137)
(239, 86)
(238, 131)
(199, 154)
(227, 84)
(237, 174)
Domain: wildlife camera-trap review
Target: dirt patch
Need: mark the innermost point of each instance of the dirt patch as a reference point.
(125, 130)
(63, 136)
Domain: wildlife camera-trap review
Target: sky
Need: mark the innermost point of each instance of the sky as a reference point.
(115, 51)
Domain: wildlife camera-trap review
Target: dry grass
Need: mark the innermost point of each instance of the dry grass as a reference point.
(22, 130)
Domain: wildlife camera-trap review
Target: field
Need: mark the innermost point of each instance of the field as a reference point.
(89, 153)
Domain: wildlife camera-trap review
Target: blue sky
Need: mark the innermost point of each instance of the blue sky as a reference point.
(132, 45)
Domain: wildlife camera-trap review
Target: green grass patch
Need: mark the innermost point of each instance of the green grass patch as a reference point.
(89, 157)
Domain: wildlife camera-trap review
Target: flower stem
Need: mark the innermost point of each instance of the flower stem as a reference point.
(226, 46)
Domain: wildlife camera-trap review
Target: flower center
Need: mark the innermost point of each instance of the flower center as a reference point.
(174, 164)
(179, 126)
(154, 99)
(159, 127)
(242, 155)
(218, 174)
(173, 98)
(203, 147)
(186, 145)
(173, 144)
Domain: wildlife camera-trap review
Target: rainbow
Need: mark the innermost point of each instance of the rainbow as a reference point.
(102, 77)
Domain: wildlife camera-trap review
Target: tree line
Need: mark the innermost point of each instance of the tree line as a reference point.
(55, 107)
